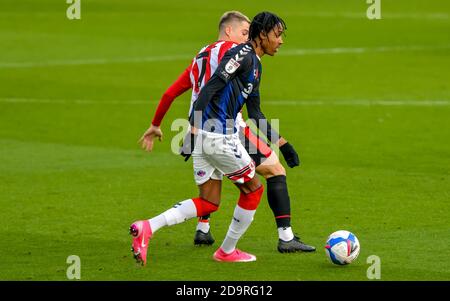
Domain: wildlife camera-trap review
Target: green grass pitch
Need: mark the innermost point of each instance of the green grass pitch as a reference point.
(365, 102)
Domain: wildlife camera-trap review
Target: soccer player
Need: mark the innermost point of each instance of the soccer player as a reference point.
(218, 150)
(233, 29)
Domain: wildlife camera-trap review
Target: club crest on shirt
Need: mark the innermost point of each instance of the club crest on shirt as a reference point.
(201, 173)
(231, 66)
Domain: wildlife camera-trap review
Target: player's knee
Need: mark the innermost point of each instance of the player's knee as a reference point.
(251, 200)
(268, 171)
(278, 170)
(204, 207)
(249, 186)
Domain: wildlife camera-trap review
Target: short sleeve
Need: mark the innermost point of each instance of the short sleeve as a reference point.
(234, 63)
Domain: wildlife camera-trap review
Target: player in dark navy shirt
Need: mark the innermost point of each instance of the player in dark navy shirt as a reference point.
(235, 82)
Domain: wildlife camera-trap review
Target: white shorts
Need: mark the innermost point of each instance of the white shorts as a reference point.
(216, 155)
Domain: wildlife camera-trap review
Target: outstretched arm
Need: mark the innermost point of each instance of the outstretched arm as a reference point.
(181, 85)
(255, 113)
(258, 117)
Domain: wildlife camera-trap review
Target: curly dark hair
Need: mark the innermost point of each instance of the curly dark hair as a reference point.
(264, 22)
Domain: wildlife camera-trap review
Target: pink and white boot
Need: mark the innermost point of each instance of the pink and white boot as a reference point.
(235, 256)
(141, 232)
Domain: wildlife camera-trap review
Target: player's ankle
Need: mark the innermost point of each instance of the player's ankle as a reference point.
(203, 225)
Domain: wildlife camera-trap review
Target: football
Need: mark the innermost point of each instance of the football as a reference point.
(342, 247)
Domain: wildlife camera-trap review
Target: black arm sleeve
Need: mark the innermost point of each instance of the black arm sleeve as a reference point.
(254, 113)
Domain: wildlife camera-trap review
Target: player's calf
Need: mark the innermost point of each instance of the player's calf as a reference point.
(242, 217)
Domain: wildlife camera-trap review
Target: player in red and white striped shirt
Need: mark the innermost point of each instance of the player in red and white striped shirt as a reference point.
(233, 30)
(207, 60)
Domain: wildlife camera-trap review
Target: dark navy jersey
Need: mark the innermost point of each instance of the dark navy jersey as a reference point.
(235, 82)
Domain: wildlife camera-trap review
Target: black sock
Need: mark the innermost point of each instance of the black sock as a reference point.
(279, 202)
(205, 217)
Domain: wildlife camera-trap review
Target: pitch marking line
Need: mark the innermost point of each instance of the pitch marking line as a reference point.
(362, 15)
(287, 52)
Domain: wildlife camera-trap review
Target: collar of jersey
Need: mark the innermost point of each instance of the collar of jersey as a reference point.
(248, 43)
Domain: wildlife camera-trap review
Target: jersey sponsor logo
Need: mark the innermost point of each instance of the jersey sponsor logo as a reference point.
(232, 66)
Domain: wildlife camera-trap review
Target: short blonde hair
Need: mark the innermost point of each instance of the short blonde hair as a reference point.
(231, 16)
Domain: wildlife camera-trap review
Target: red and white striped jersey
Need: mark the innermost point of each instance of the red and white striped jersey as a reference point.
(195, 76)
(205, 64)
